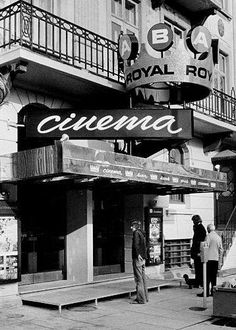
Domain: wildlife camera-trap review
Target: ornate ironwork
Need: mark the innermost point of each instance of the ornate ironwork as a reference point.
(34, 28)
(218, 105)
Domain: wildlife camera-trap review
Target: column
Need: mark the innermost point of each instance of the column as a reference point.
(79, 237)
(134, 209)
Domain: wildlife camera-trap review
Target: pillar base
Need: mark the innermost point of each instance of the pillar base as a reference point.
(9, 296)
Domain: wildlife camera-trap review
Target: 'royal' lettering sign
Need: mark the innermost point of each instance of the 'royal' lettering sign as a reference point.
(187, 67)
(121, 123)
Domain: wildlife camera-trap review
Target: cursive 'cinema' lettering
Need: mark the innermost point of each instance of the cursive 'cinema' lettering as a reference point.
(93, 123)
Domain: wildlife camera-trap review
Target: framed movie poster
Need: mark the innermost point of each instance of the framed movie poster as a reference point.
(154, 224)
(8, 249)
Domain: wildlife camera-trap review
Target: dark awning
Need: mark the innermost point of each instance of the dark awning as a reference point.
(67, 161)
(224, 155)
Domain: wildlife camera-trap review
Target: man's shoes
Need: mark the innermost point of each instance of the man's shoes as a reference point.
(201, 295)
(135, 301)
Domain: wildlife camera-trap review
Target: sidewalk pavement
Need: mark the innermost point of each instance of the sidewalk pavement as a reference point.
(174, 307)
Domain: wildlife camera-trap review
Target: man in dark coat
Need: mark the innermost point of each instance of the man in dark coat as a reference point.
(198, 237)
(139, 255)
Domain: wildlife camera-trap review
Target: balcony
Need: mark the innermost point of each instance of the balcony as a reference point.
(215, 114)
(196, 6)
(66, 59)
(61, 56)
(197, 10)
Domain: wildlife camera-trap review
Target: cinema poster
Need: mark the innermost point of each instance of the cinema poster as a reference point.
(8, 249)
(154, 232)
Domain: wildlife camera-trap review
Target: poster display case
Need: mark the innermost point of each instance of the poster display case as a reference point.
(154, 235)
(8, 249)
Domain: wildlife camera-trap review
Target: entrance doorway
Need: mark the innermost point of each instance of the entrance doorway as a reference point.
(42, 210)
(108, 232)
(226, 200)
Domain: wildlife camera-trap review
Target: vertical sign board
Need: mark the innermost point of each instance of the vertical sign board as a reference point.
(154, 221)
(8, 249)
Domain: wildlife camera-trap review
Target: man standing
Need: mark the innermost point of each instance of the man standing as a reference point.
(215, 257)
(139, 255)
(198, 237)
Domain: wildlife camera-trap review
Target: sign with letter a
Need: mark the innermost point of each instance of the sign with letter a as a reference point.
(199, 39)
(128, 46)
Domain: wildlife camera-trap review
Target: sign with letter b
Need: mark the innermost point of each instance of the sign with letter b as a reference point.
(160, 37)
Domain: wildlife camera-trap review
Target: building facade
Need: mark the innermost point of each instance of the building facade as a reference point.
(63, 57)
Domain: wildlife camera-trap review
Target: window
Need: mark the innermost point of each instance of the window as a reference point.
(130, 12)
(116, 29)
(221, 72)
(221, 84)
(116, 7)
(230, 181)
(176, 156)
(224, 4)
(177, 31)
(124, 17)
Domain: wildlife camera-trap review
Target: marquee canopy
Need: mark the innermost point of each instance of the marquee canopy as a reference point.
(65, 161)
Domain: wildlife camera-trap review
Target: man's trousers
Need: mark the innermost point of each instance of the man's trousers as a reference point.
(140, 281)
(212, 269)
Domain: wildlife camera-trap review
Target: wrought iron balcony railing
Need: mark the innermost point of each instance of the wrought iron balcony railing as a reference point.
(24, 24)
(218, 105)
